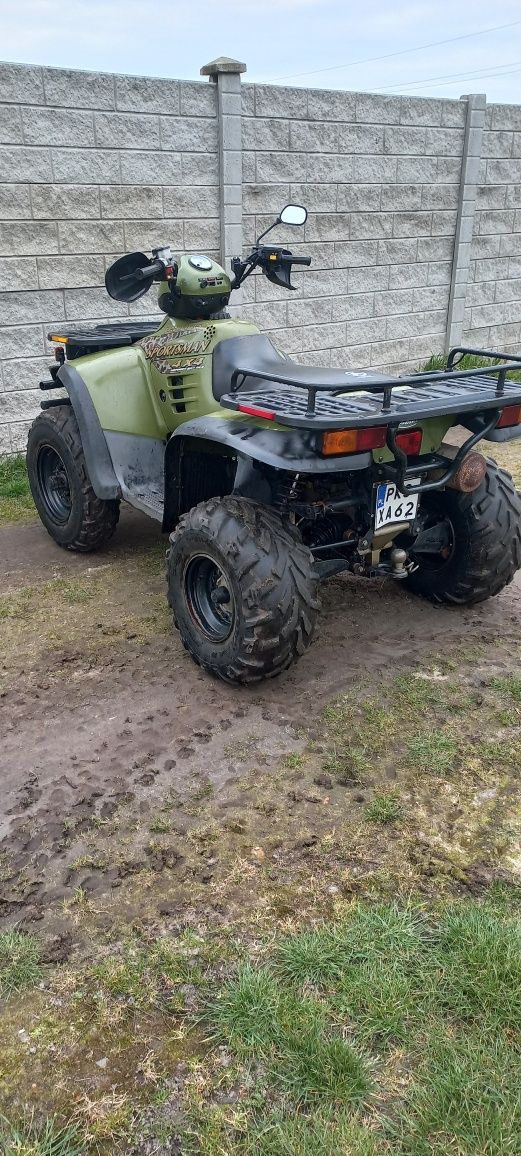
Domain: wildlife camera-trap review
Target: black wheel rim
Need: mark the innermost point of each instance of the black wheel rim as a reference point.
(209, 597)
(54, 485)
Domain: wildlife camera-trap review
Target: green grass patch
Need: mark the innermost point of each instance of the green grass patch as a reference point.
(509, 684)
(466, 1097)
(392, 1030)
(19, 962)
(16, 503)
(48, 1139)
(321, 1134)
(385, 807)
(360, 733)
(150, 976)
(438, 361)
(434, 751)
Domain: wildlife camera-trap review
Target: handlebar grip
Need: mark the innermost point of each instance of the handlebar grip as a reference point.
(149, 271)
(300, 260)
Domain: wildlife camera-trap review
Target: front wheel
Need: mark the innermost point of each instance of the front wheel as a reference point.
(243, 589)
(70, 510)
(480, 541)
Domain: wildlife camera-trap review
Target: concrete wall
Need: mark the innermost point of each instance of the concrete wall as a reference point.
(93, 165)
(493, 313)
(380, 177)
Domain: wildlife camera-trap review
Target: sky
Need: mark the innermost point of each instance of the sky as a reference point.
(441, 48)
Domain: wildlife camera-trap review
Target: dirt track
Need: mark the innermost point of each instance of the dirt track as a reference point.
(101, 724)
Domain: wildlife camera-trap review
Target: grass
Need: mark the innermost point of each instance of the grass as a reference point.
(438, 361)
(48, 1139)
(507, 454)
(384, 807)
(118, 600)
(19, 962)
(302, 1054)
(466, 1098)
(389, 1031)
(433, 751)
(16, 503)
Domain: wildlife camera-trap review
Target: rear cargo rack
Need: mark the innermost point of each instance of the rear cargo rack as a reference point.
(379, 401)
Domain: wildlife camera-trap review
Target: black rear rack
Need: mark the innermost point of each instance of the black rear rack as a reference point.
(421, 395)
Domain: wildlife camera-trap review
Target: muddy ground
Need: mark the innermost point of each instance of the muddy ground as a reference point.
(123, 764)
(149, 813)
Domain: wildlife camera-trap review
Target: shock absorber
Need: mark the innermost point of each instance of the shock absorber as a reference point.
(286, 490)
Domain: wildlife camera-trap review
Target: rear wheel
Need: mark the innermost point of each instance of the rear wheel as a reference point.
(70, 510)
(243, 589)
(479, 541)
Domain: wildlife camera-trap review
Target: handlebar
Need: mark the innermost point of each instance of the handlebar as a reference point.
(149, 271)
(275, 261)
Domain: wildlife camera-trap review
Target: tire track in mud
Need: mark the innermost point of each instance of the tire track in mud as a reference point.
(85, 739)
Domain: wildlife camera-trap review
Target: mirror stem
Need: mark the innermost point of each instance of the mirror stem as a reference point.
(268, 230)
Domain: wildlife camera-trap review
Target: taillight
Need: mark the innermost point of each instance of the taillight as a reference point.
(352, 441)
(410, 441)
(511, 416)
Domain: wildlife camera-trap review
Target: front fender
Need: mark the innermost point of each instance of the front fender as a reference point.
(99, 462)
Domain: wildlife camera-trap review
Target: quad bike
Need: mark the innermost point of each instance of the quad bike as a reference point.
(269, 475)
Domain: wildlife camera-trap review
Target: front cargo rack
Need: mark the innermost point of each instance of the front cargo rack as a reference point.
(377, 400)
(94, 338)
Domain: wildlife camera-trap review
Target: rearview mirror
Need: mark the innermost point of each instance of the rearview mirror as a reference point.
(293, 215)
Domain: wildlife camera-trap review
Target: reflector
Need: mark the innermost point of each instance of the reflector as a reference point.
(410, 441)
(256, 411)
(511, 416)
(352, 441)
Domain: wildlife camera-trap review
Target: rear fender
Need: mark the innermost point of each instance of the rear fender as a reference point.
(99, 462)
(212, 456)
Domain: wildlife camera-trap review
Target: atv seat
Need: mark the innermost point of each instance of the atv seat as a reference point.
(257, 354)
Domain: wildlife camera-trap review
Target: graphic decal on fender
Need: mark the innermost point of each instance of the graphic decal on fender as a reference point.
(177, 367)
(174, 352)
(182, 342)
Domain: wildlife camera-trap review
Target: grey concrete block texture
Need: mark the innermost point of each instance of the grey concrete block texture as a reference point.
(493, 305)
(381, 178)
(91, 165)
(414, 221)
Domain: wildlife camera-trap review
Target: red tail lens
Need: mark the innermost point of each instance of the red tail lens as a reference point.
(372, 438)
(410, 441)
(256, 411)
(351, 441)
(511, 416)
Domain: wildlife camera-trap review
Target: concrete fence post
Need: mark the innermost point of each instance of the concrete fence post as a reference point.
(470, 162)
(226, 74)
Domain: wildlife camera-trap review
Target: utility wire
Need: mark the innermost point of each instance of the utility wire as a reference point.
(456, 76)
(443, 83)
(402, 52)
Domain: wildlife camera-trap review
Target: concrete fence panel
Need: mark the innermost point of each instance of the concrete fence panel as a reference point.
(414, 205)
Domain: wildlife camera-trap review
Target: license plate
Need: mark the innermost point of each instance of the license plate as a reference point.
(392, 506)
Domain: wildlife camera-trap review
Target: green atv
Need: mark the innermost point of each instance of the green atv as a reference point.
(268, 475)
